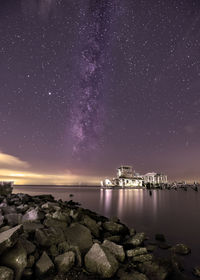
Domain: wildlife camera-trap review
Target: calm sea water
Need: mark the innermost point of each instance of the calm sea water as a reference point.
(174, 213)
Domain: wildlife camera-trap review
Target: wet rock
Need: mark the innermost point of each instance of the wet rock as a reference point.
(80, 236)
(49, 222)
(31, 227)
(41, 238)
(137, 239)
(116, 250)
(28, 246)
(9, 237)
(196, 271)
(131, 276)
(32, 215)
(13, 219)
(8, 209)
(153, 270)
(6, 273)
(15, 258)
(143, 258)
(181, 249)
(65, 262)
(160, 237)
(114, 238)
(113, 227)
(92, 225)
(44, 266)
(136, 252)
(100, 261)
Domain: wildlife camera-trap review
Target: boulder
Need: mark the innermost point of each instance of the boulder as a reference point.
(31, 227)
(65, 262)
(153, 270)
(116, 250)
(143, 258)
(1, 219)
(44, 266)
(32, 215)
(181, 249)
(137, 239)
(100, 261)
(15, 258)
(49, 236)
(113, 227)
(8, 209)
(80, 236)
(136, 252)
(13, 219)
(9, 237)
(92, 225)
(114, 238)
(49, 222)
(28, 246)
(6, 273)
(30, 261)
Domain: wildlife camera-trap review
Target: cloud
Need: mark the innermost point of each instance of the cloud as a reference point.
(12, 161)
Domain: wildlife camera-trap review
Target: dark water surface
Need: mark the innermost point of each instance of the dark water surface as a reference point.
(174, 213)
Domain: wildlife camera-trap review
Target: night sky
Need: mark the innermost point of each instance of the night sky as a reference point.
(88, 85)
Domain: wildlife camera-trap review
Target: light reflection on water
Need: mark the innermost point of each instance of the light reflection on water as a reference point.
(174, 213)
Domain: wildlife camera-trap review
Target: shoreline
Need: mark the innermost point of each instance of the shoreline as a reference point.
(83, 235)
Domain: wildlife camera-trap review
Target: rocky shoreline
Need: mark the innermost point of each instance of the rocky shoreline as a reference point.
(41, 238)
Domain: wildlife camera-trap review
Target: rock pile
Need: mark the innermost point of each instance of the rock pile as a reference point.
(41, 238)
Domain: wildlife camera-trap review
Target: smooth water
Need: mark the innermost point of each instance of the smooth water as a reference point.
(174, 213)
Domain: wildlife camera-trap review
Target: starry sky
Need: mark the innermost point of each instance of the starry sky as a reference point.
(86, 86)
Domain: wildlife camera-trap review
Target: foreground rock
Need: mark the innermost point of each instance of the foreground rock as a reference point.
(101, 261)
(41, 238)
(6, 273)
(9, 237)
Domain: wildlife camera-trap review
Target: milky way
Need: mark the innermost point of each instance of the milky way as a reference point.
(87, 111)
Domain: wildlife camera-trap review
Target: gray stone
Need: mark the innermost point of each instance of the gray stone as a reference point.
(153, 270)
(116, 250)
(49, 236)
(65, 261)
(44, 266)
(181, 249)
(6, 273)
(92, 225)
(80, 236)
(137, 239)
(31, 227)
(9, 237)
(13, 219)
(114, 238)
(30, 261)
(63, 247)
(32, 215)
(101, 261)
(136, 252)
(113, 227)
(4, 228)
(28, 246)
(143, 258)
(8, 209)
(49, 222)
(15, 258)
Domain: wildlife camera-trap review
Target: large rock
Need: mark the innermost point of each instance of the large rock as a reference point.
(32, 215)
(153, 270)
(80, 236)
(116, 250)
(92, 225)
(49, 222)
(100, 261)
(113, 227)
(181, 249)
(143, 258)
(137, 239)
(44, 266)
(6, 273)
(9, 237)
(136, 252)
(13, 219)
(65, 261)
(50, 236)
(15, 258)
(31, 227)
(28, 246)
(1, 219)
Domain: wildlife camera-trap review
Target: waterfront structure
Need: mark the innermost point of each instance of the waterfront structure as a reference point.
(155, 178)
(125, 178)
